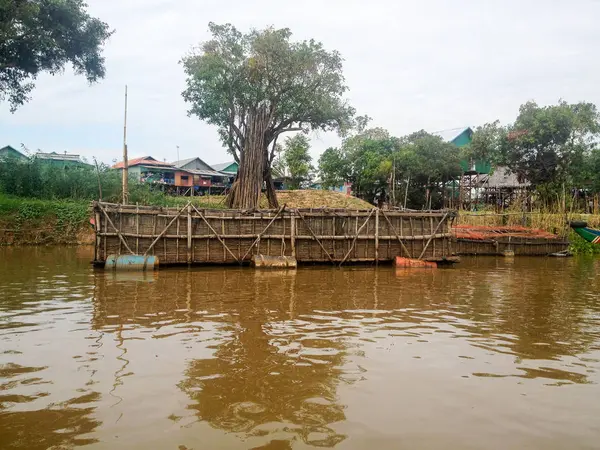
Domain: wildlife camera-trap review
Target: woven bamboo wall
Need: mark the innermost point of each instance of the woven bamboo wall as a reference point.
(521, 246)
(189, 235)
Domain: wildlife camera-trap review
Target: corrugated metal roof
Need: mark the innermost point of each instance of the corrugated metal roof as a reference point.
(451, 134)
(209, 173)
(183, 162)
(222, 166)
(144, 161)
(502, 178)
(58, 157)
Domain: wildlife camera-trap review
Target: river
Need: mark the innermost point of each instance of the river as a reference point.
(492, 354)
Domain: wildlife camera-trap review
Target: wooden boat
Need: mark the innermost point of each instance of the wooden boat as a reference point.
(589, 234)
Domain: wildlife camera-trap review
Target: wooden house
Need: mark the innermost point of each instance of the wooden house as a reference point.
(203, 178)
(148, 169)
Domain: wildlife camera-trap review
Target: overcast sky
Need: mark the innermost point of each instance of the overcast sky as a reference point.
(410, 65)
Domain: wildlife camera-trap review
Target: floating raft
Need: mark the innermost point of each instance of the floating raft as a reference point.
(514, 240)
(189, 235)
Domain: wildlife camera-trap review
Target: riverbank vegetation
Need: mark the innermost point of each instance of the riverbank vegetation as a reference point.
(552, 150)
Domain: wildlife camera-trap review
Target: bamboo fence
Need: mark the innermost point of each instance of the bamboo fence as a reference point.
(189, 235)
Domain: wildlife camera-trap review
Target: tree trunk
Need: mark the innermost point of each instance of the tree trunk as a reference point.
(271, 195)
(246, 190)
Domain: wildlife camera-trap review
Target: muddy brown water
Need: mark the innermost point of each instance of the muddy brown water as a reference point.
(493, 354)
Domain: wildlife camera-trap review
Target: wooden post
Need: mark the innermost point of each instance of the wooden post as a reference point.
(377, 237)
(177, 243)
(164, 231)
(125, 160)
(293, 233)
(433, 235)
(356, 236)
(216, 235)
(315, 237)
(120, 227)
(115, 228)
(263, 232)
(393, 228)
(189, 234)
(137, 229)
(412, 233)
(431, 230)
(98, 237)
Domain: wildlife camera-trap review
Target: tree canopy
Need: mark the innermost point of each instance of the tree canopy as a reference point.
(297, 159)
(44, 36)
(379, 166)
(255, 86)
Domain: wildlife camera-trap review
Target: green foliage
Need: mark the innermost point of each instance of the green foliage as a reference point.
(66, 215)
(234, 78)
(379, 166)
(233, 73)
(297, 160)
(44, 36)
(580, 246)
(547, 144)
(35, 179)
(334, 167)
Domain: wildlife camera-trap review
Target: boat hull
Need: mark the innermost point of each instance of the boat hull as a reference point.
(589, 234)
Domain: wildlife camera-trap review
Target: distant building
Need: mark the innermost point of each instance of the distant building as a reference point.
(179, 176)
(462, 137)
(12, 153)
(148, 169)
(230, 167)
(203, 177)
(60, 159)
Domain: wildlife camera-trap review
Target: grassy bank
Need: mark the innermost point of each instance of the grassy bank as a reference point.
(39, 222)
(30, 221)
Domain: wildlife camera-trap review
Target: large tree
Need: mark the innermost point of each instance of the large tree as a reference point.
(44, 36)
(256, 86)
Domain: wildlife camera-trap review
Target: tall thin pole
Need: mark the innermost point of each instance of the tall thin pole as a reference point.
(178, 153)
(125, 161)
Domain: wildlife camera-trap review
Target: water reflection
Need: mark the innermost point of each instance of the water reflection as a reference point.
(319, 357)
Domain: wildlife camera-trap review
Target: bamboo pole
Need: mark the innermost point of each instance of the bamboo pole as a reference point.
(396, 233)
(137, 229)
(315, 237)
(433, 234)
(293, 234)
(164, 231)
(263, 232)
(98, 236)
(189, 234)
(115, 228)
(377, 237)
(356, 237)
(305, 237)
(216, 235)
(120, 228)
(125, 174)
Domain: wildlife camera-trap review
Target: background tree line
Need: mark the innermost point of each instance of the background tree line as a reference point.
(553, 148)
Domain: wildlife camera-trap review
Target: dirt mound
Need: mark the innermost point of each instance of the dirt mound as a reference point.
(320, 199)
(300, 199)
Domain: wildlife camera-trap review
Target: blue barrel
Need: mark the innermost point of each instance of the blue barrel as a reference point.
(131, 262)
